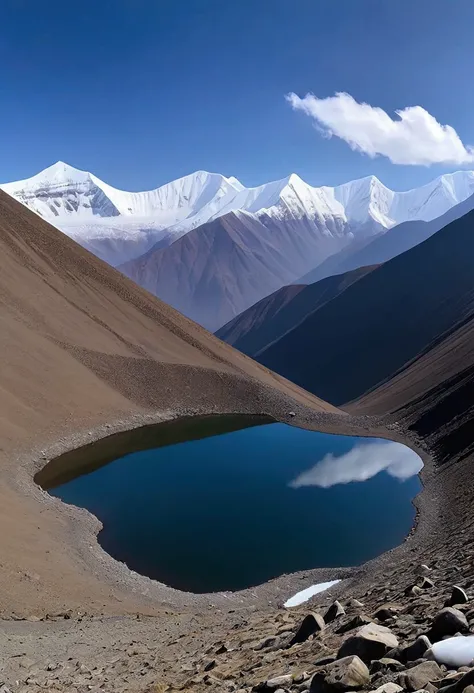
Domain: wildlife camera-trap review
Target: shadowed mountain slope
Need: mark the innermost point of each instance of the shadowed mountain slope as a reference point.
(384, 320)
(269, 319)
(433, 394)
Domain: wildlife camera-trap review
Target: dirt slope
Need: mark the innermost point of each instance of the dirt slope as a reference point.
(82, 347)
(269, 319)
(382, 321)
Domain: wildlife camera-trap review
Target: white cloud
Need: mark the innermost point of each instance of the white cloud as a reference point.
(361, 463)
(414, 138)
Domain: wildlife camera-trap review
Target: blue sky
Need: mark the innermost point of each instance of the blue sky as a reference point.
(144, 91)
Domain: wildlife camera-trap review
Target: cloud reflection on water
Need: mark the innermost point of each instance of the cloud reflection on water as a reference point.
(362, 462)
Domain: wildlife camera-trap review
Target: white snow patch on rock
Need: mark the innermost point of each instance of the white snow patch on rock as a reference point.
(454, 652)
(304, 595)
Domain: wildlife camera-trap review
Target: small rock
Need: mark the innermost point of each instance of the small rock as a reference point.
(458, 596)
(347, 674)
(323, 661)
(355, 622)
(417, 677)
(292, 414)
(312, 623)
(431, 688)
(413, 591)
(355, 604)
(263, 644)
(383, 614)
(416, 649)
(451, 677)
(209, 664)
(137, 649)
(385, 665)
(448, 622)
(425, 583)
(278, 681)
(335, 611)
(370, 642)
(389, 688)
(461, 685)
(423, 570)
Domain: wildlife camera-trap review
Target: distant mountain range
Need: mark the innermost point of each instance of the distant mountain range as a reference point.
(211, 247)
(386, 246)
(259, 326)
(384, 320)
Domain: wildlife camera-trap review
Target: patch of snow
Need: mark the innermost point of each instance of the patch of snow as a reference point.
(304, 595)
(454, 652)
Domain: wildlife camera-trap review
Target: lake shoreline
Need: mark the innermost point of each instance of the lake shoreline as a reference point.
(85, 526)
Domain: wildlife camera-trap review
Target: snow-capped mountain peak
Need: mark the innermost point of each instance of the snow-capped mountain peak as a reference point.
(62, 190)
(118, 225)
(235, 183)
(59, 174)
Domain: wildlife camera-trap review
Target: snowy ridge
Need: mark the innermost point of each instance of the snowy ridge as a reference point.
(119, 225)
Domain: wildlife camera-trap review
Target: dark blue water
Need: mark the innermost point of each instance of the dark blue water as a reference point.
(234, 510)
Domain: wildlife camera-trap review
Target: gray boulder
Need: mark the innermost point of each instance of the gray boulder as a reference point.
(458, 596)
(461, 685)
(389, 688)
(347, 674)
(370, 642)
(385, 666)
(352, 623)
(384, 614)
(312, 623)
(278, 682)
(416, 650)
(417, 677)
(448, 622)
(335, 611)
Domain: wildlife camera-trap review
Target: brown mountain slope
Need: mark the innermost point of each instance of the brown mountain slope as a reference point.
(383, 320)
(221, 268)
(82, 346)
(269, 319)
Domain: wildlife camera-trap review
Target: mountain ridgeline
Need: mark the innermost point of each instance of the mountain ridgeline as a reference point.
(387, 318)
(211, 247)
(385, 246)
(268, 320)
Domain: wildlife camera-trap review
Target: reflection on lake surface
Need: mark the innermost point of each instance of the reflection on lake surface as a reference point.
(229, 511)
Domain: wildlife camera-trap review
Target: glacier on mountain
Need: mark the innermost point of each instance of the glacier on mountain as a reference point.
(118, 226)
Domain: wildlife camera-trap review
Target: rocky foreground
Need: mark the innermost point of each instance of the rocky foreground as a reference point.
(383, 640)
